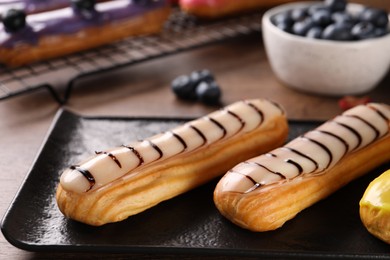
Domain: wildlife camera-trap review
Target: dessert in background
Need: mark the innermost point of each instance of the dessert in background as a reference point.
(84, 25)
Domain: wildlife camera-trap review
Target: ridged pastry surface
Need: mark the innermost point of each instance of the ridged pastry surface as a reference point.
(263, 192)
(116, 183)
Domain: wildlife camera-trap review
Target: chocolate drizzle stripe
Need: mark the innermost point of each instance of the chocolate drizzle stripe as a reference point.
(368, 124)
(113, 157)
(246, 176)
(199, 133)
(346, 145)
(379, 113)
(304, 156)
(352, 130)
(257, 110)
(255, 183)
(219, 125)
(155, 147)
(180, 139)
(237, 117)
(140, 158)
(326, 149)
(86, 174)
(266, 168)
(297, 165)
(278, 106)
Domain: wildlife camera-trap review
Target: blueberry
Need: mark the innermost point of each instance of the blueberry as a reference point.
(332, 21)
(322, 17)
(378, 17)
(201, 75)
(284, 27)
(298, 14)
(302, 27)
(87, 5)
(314, 33)
(344, 18)
(184, 88)
(363, 30)
(283, 18)
(14, 20)
(379, 32)
(336, 5)
(315, 8)
(337, 32)
(208, 92)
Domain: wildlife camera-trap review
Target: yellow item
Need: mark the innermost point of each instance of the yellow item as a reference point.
(375, 207)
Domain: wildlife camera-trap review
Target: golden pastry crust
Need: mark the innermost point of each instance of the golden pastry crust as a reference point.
(221, 8)
(376, 222)
(60, 45)
(374, 207)
(269, 207)
(151, 184)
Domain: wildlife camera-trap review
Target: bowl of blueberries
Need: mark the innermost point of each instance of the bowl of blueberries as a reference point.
(328, 47)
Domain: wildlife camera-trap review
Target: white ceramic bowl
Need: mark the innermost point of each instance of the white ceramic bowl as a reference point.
(323, 66)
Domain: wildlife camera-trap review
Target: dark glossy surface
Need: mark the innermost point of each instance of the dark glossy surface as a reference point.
(189, 223)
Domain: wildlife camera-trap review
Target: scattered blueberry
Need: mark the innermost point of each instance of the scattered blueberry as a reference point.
(201, 75)
(208, 92)
(184, 88)
(331, 20)
(14, 20)
(199, 85)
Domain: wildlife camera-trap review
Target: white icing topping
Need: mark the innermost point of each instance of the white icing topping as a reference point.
(313, 152)
(330, 126)
(212, 132)
(105, 167)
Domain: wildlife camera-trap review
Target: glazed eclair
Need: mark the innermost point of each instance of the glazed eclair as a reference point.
(117, 183)
(264, 192)
(28, 38)
(36, 6)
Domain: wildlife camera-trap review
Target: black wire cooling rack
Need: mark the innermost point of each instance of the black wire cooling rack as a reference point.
(181, 32)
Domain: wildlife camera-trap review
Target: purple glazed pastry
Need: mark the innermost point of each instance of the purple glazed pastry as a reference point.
(83, 25)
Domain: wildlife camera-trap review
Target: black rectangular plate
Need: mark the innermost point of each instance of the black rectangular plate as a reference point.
(189, 223)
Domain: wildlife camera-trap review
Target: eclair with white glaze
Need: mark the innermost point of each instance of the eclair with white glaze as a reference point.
(264, 192)
(117, 183)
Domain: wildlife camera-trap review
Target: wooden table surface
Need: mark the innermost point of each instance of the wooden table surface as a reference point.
(241, 69)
